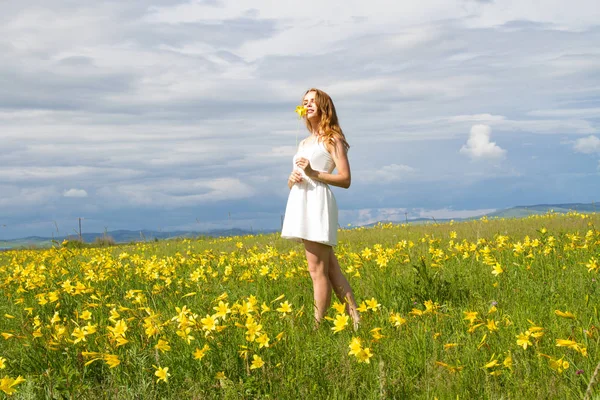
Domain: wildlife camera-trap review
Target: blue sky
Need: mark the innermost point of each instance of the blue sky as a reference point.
(173, 115)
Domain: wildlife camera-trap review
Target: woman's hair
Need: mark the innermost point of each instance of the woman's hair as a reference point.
(329, 126)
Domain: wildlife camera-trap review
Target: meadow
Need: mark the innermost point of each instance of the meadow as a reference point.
(501, 308)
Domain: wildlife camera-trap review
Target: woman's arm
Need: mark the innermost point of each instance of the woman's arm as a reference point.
(340, 157)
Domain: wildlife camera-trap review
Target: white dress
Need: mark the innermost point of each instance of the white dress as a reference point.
(311, 212)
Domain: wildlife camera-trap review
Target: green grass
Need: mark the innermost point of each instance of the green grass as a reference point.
(409, 266)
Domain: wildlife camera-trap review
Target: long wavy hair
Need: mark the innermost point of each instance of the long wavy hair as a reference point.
(329, 126)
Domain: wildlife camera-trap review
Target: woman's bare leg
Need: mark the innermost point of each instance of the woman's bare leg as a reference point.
(342, 289)
(318, 257)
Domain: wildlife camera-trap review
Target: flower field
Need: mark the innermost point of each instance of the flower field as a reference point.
(479, 309)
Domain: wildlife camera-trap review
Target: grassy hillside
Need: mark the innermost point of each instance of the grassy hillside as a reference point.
(478, 309)
(524, 211)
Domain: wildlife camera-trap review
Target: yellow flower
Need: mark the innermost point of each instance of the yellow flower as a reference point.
(482, 342)
(222, 310)
(415, 312)
(497, 270)
(376, 333)
(492, 363)
(474, 327)
(7, 384)
(263, 340)
(593, 265)
(373, 304)
(397, 320)
(491, 325)
(253, 329)
(364, 355)
(559, 365)
(449, 346)
(339, 307)
(112, 360)
(285, 308)
(220, 375)
(200, 353)
(89, 328)
(280, 297)
(470, 316)
(301, 111)
(566, 343)
(450, 368)
(162, 345)
(264, 308)
(114, 316)
(508, 361)
(2, 362)
(185, 335)
(119, 329)
(565, 314)
(523, 339)
(257, 362)
(362, 308)
(85, 315)
(79, 335)
(6, 335)
(340, 323)
(162, 373)
(355, 346)
(208, 324)
(55, 318)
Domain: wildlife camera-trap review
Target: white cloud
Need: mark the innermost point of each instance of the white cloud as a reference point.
(15, 199)
(173, 193)
(392, 173)
(75, 193)
(477, 117)
(568, 112)
(587, 145)
(479, 146)
(152, 97)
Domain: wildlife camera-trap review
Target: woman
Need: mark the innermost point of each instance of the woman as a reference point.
(311, 215)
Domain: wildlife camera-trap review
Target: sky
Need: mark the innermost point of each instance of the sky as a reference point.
(179, 115)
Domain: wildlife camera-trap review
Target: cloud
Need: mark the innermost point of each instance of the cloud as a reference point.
(173, 193)
(186, 107)
(392, 173)
(479, 146)
(75, 193)
(587, 145)
(569, 112)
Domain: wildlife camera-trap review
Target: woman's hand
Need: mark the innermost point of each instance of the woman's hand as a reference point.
(304, 164)
(295, 177)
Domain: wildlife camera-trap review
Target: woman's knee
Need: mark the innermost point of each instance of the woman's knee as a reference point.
(317, 257)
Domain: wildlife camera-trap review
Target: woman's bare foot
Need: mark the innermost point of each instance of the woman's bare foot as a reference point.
(353, 312)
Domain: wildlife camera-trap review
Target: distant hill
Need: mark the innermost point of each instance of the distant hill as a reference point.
(126, 236)
(523, 211)
(513, 212)
(123, 236)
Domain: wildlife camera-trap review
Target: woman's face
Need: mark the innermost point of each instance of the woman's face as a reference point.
(312, 111)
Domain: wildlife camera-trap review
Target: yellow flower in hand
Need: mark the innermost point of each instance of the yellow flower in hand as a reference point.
(301, 111)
